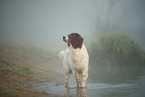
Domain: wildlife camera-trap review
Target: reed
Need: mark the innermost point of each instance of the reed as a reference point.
(117, 49)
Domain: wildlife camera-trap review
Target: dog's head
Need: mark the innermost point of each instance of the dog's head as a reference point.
(74, 39)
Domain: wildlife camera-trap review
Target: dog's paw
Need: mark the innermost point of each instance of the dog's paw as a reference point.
(83, 85)
(66, 85)
(79, 85)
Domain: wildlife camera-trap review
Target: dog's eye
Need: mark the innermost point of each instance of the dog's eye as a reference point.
(70, 36)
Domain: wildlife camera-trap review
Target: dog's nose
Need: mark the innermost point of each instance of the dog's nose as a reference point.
(63, 38)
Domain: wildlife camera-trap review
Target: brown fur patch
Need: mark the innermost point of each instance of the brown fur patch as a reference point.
(76, 40)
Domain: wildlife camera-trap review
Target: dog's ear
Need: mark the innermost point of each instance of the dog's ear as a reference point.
(77, 41)
(80, 42)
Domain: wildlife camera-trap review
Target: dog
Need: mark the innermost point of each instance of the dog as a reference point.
(75, 59)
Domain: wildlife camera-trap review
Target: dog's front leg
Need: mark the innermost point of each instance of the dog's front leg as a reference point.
(66, 81)
(84, 78)
(77, 76)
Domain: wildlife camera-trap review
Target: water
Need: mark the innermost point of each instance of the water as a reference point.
(128, 81)
(135, 88)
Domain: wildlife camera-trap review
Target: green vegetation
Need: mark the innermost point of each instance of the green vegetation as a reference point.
(3, 92)
(115, 58)
(25, 69)
(117, 49)
(49, 59)
(30, 50)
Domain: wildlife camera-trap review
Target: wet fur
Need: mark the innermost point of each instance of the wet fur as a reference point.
(75, 59)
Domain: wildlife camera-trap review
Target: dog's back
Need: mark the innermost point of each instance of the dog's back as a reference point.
(75, 59)
(65, 59)
(61, 55)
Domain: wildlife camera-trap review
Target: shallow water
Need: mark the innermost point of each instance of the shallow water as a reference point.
(125, 89)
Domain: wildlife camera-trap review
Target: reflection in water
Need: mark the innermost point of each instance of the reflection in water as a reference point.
(133, 86)
(80, 92)
(135, 89)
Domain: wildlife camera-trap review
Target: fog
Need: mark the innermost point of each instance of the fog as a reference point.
(44, 22)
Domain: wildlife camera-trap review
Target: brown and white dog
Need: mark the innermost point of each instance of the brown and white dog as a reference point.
(75, 59)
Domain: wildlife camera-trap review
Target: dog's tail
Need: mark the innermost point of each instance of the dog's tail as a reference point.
(61, 55)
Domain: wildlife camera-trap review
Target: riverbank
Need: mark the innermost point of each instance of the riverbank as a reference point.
(20, 66)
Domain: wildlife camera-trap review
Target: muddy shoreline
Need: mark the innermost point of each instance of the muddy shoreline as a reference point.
(21, 66)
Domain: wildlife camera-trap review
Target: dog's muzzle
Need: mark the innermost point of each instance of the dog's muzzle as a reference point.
(65, 38)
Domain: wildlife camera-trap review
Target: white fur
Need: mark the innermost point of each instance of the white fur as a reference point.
(75, 61)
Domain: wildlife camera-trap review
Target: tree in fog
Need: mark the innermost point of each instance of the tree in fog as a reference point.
(125, 16)
(111, 15)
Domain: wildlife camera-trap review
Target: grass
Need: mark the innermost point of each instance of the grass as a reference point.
(25, 69)
(2, 92)
(115, 58)
(21, 68)
(30, 50)
(25, 53)
(49, 59)
(116, 48)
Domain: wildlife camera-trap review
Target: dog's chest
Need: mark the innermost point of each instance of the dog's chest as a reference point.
(79, 57)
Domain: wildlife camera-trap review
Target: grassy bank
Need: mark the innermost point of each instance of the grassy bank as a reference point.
(116, 57)
(117, 49)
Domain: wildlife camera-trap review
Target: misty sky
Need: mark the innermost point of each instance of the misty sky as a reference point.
(44, 22)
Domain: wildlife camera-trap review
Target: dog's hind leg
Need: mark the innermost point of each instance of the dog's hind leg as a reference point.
(67, 81)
